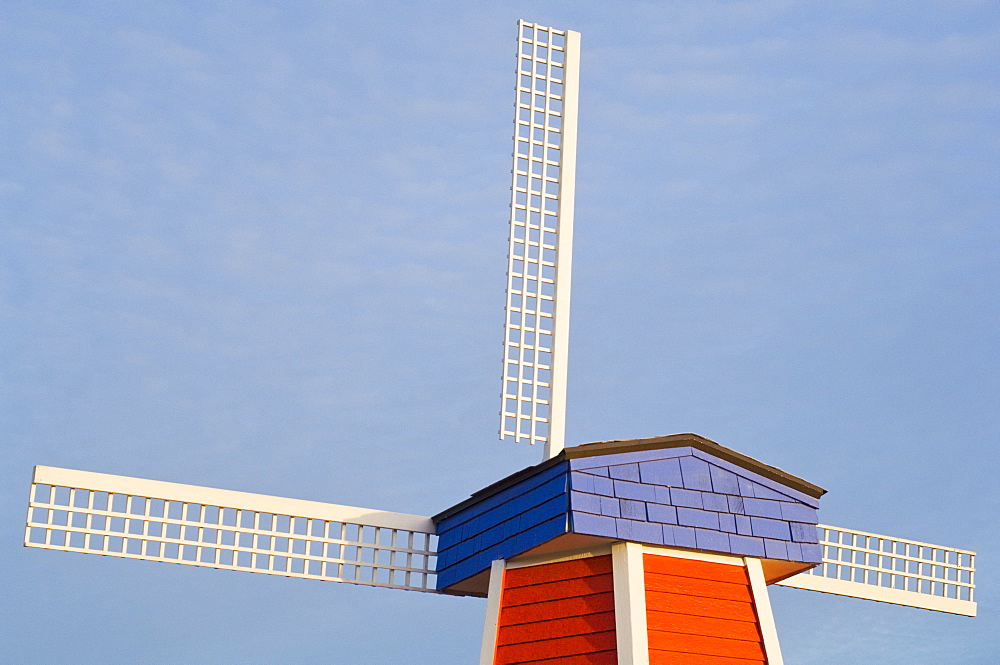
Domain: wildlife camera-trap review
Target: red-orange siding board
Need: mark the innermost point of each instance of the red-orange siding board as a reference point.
(553, 590)
(704, 570)
(700, 613)
(558, 614)
(707, 646)
(693, 587)
(557, 648)
(708, 607)
(700, 625)
(674, 658)
(598, 658)
(546, 630)
(553, 609)
(555, 572)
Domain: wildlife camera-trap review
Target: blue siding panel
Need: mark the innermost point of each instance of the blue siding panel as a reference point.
(775, 549)
(727, 522)
(661, 472)
(804, 533)
(627, 490)
(700, 518)
(746, 545)
(604, 486)
(610, 507)
(796, 512)
(812, 553)
(707, 539)
(582, 482)
(724, 481)
(768, 528)
(715, 502)
(762, 508)
(695, 474)
(641, 532)
(660, 513)
(743, 525)
(594, 525)
(624, 472)
(588, 503)
(686, 498)
(679, 536)
(633, 510)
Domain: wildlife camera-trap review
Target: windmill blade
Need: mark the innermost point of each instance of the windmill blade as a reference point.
(892, 570)
(539, 264)
(133, 518)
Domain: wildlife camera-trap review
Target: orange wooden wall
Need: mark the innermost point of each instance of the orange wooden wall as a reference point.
(558, 614)
(700, 613)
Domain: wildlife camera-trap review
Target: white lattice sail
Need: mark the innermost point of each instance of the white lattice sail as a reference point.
(892, 570)
(539, 264)
(133, 518)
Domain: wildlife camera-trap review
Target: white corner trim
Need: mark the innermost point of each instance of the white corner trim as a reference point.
(630, 604)
(525, 561)
(492, 621)
(694, 556)
(765, 619)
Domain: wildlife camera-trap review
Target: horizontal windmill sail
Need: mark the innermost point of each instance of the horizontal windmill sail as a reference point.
(536, 334)
(133, 518)
(892, 570)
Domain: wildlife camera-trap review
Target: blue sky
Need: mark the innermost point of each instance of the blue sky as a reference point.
(262, 247)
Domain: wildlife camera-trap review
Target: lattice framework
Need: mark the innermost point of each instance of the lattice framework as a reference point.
(132, 518)
(541, 237)
(894, 570)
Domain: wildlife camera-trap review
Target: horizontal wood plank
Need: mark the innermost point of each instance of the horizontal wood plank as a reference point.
(675, 658)
(596, 658)
(697, 605)
(537, 593)
(700, 625)
(703, 570)
(557, 648)
(555, 572)
(707, 646)
(694, 587)
(565, 627)
(554, 609)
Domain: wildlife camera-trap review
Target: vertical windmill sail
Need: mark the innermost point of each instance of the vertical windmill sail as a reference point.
(536, 335)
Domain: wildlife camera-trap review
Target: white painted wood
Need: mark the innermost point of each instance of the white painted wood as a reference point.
(492, 623)
(564, 267)
(871, 566)
(104, 482)
(133, 518)
(539, 266)
(728, 559)
(880, 594)
(556, 557)
(630, 604)
(765, 618)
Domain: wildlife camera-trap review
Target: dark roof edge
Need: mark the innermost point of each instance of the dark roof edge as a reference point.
(499, 486)
(703, 444)
(633, 445)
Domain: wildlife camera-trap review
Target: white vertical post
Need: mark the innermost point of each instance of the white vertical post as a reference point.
(564, 265)
(630, 604)
(762, 604)
(492, 621)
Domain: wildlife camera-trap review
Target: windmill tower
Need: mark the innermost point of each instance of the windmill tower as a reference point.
(587, 555)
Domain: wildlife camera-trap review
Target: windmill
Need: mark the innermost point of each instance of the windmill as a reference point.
(132, 518)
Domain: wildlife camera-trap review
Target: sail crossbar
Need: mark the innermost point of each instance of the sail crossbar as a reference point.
(135, 518)
(883, 568)
(539, 265)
